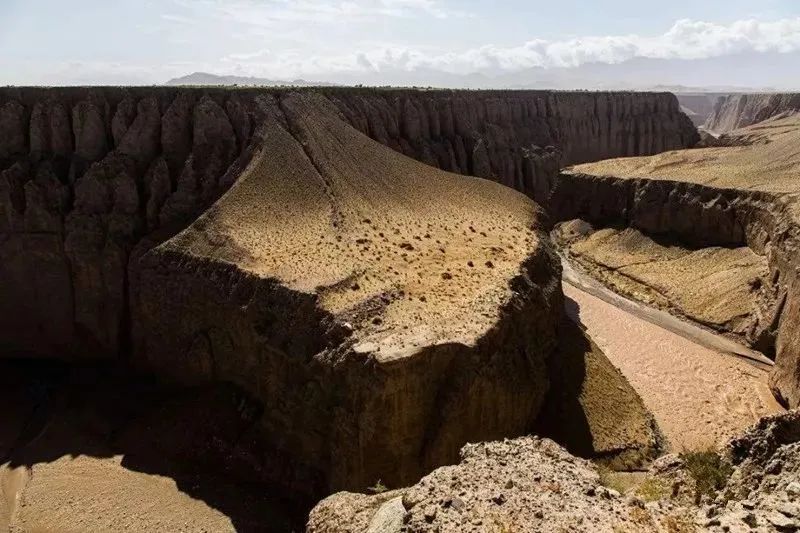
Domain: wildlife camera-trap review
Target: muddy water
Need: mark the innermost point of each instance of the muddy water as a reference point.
(702, 388)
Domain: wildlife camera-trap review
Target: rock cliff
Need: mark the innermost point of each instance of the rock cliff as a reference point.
(741, 110)
(87, 175)
(517, 137)
(702, 216)
(90, 178)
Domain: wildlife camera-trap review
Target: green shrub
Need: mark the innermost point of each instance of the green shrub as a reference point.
(709, 471)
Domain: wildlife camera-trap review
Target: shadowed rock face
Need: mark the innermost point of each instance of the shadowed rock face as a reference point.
(505, 135)
(741, 110)
(86, 175)
(90, 178)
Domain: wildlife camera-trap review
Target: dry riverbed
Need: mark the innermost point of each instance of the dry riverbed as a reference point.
(699, 395)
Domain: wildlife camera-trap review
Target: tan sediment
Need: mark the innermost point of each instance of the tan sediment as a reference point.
(716, 287)
(699, 397)
(84, 493)
(767, 159)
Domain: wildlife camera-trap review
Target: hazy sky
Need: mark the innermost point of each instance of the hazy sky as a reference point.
(149, 41)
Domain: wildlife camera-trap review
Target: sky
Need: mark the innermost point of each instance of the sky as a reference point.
(66, 42)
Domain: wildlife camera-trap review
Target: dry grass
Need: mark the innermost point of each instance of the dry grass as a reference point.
(770, 163)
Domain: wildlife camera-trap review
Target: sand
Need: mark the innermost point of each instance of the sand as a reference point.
(700, 397)
(716, 287)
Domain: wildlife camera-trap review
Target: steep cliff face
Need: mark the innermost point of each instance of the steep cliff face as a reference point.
(518, 138)
(86, 175)
(741, 110)
(698, 106)
(380, 328)
(90, 178)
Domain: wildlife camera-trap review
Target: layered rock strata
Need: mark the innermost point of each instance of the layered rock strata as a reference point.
(741, 110)
(704, 198)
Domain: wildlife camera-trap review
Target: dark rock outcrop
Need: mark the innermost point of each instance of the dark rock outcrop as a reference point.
(86, 174)
(741, 110)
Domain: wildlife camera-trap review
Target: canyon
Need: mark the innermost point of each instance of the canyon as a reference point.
(351, 284)
(739, 199)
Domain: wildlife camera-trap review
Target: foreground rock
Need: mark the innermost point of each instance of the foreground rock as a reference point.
(380, 326)
(732, 197)
(527, 484)
(532, 484)
(764, 490)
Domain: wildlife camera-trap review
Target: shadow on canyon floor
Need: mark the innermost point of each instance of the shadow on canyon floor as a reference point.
(563, 400)
(136, 428)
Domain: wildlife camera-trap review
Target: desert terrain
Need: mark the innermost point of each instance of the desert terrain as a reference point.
(222, 307)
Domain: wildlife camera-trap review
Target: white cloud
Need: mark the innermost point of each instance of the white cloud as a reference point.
(686, 39)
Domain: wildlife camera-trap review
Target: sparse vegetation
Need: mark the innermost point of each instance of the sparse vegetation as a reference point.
(679, 524)
(609, 480)
(709, 471)
(653, 489)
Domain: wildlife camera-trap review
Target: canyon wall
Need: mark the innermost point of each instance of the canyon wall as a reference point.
(702, 216)
(93, 177)
(517, 137)
(741, 110)
(87, 175)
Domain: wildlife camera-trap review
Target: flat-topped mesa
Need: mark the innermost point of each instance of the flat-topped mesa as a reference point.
(383, 312)
(90, 178)
(744, 195)
(741, 110)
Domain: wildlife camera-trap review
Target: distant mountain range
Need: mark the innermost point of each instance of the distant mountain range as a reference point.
(204, 78)
(736, 73)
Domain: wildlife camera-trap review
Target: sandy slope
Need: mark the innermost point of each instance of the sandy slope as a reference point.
(768, 160)
(700, 397)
